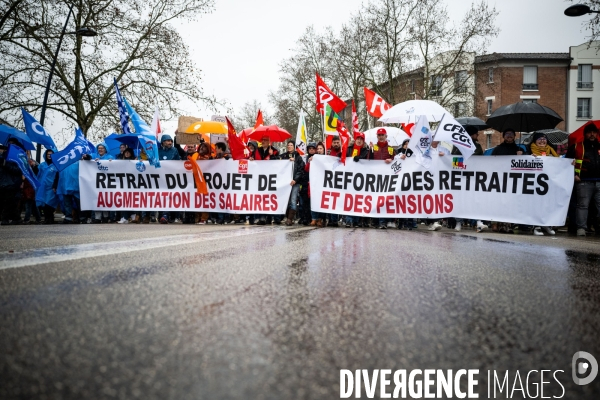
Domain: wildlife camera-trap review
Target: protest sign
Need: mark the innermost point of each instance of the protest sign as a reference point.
(519, 189)
(237, 187)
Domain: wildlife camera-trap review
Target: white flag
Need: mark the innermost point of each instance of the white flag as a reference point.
(420, 142)
(301, 136)
(449, 130)
(155, 126)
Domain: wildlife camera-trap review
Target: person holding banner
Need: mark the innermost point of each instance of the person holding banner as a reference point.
(46, 196)
(316, 218)
(539, 147)
(297, 180)
(358, 151)
(508, 147)
(586, 155)
(306, 218)
(28, 197)
(103, 216)
(383, 151)
(474, 134)
(266, 152)
(404, 152)
(336, 147)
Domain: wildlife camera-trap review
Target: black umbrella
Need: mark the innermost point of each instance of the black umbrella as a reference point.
(472, 121)
(523, 117)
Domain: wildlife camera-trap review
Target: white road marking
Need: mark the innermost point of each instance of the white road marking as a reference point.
(47, 255)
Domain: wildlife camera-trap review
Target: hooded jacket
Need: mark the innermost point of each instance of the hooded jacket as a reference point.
(45, 195)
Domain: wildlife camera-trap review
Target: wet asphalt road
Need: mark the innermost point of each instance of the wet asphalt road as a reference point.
(239, 312)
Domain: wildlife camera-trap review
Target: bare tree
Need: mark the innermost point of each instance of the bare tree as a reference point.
(246, 116)
(386, 46)
(593, 24)
(137, 44)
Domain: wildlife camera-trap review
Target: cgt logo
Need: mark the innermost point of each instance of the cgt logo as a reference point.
(243, 166)
(584, 364)
(458, 163)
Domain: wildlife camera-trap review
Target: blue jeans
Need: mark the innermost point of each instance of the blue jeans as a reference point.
(587, 191)
(294, 197)
(352, 219)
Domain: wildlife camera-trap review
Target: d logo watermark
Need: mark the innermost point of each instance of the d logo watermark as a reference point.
(581, 367)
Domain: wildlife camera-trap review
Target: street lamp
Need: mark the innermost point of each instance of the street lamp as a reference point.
(83, 31)
(577, 10)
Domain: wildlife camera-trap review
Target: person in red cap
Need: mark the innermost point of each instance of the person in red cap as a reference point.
(383, 151)
(359, 151)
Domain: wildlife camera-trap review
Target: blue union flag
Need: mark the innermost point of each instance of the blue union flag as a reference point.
(123, 114)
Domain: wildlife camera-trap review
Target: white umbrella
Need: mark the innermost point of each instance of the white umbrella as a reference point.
(395, 136)
(410, 111)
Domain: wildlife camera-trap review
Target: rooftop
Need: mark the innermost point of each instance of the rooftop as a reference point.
(522, 56)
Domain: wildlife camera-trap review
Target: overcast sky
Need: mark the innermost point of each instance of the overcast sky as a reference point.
(240, 45)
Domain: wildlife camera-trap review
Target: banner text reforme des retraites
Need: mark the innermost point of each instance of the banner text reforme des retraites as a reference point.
(520, 189)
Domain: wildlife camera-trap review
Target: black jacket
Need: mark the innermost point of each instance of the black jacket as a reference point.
(364, 153)
(298, 165)
(10, 174)
(590, 167)
(505, 149)
(478, 150)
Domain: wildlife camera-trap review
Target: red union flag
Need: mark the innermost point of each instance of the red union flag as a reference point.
(354, 118)
(325, 95)
(376, 106)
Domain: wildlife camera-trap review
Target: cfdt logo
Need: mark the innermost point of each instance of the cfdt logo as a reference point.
(458, 163)
(243, 166)
(585, 368)
(101, 167)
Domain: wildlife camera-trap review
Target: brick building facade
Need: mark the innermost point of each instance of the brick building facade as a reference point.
(506, 78)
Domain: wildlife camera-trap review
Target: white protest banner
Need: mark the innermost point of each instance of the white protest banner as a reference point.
(236, 187)
(520, 189)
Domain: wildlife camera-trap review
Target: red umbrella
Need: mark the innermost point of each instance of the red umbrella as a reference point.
(577, 136)
(275, 133)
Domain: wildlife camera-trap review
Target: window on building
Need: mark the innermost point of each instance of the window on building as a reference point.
(491, 75)
(584, 108)
(584, 76)
(412, 85)
(489, 107)
(529, 100)
(460, 81)
(530, 78)
(488, 141)
(460, 109)
(436, 86)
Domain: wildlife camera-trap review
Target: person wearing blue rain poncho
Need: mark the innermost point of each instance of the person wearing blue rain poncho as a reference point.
(102, 154)
(68, 192)
(46, 196)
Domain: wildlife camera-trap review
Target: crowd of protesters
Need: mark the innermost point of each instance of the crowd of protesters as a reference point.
(61, 189)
